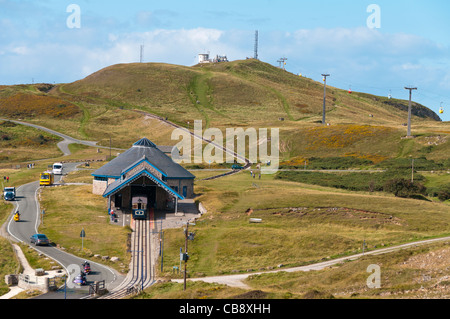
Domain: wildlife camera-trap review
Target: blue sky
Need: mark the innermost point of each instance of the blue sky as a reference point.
(410, 47)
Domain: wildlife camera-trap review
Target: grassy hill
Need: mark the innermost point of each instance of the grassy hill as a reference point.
(239, 92)
(247, 93)
(306, 218)
(251, 93)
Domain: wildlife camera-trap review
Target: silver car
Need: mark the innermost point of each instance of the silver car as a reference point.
(39, 239)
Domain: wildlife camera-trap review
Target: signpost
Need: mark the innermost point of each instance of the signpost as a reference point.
(82, 235)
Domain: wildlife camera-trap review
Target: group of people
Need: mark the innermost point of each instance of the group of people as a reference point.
(6, 178)
(254, 174)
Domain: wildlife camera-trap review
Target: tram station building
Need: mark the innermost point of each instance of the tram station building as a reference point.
(143, 170)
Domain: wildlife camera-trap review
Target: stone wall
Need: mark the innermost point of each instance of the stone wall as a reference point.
(99, 187)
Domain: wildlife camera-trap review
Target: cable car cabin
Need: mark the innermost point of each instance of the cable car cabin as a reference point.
(139, 207)
(46, 179)
(441, 110)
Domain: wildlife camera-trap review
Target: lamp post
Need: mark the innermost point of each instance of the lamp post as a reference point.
(82, 235)
(185, 256)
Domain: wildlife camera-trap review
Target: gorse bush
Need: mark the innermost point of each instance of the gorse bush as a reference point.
(354, 181)
(444, 193)
(401, 187)
(327, 163)
(33, 105)
(420, 163)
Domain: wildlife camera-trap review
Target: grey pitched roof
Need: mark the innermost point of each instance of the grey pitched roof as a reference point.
(143, 148)
(119, 184)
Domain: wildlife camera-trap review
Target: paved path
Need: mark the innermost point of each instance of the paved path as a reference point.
(63, 145)
(238, 279)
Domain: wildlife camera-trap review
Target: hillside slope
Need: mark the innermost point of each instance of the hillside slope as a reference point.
(239, 92)
(246, 93)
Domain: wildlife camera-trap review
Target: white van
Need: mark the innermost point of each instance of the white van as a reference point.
(57, 168)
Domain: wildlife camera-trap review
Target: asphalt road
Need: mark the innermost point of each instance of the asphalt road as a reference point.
(30, 214)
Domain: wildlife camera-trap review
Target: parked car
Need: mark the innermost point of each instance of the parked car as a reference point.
(236, 166)
(39, 239)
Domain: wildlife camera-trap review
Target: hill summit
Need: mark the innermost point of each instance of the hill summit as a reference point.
(237, 93)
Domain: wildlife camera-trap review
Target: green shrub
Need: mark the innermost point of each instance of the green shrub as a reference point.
(444, 194)
(401, 187)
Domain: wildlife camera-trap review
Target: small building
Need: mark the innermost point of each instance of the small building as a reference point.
(203, 58)
(145, 171)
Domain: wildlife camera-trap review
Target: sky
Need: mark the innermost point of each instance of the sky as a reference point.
(376, 46)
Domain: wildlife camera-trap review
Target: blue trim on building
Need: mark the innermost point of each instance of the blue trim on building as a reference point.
(124, 182)
(139, 162)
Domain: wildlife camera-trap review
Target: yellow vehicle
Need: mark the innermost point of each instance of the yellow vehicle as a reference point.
(46, 179)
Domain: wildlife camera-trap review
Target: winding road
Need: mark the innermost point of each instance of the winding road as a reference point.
(64, 144)
(30, 214)
(28, 205)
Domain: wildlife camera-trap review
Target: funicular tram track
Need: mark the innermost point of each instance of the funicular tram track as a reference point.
(140, 275)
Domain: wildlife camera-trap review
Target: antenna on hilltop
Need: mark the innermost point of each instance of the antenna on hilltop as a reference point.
(256, 45)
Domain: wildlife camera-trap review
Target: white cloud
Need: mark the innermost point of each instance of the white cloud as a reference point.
(20, 50)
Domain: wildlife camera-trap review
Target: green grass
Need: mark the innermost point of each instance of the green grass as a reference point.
(301, 224)
(194, 290)
(9, 264)
(19, 143)
(354, 181)
(401, 277)
(64, 221)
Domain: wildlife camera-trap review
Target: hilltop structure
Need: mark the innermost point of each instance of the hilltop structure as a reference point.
(146, 171)
(204, 58)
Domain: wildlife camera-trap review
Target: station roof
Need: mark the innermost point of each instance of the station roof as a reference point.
(143, 149)
(120, 184)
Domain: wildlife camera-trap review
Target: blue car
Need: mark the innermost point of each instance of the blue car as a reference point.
(39, 239)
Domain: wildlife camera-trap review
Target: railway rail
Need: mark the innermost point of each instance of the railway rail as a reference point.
(141, 274)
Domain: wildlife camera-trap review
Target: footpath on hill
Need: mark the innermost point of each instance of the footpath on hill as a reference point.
(238, 279)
